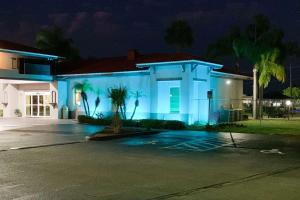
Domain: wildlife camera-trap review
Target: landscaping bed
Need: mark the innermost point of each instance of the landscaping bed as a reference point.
(266, 126)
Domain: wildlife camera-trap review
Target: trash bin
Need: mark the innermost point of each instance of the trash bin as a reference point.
(65, 112)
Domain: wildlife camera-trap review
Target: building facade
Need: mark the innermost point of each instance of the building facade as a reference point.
(171, 86)
(26, 82)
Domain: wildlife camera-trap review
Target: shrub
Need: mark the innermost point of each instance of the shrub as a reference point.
(90, 120)
(144, 123)
(152, 123)
(174, 125)
(131, 123)
(162, 124)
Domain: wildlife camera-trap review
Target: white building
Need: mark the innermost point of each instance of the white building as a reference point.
(26, 82)
(173, 86)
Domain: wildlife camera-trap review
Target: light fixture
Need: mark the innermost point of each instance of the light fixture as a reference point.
(228, 82)
(53, 99)
(288, 102)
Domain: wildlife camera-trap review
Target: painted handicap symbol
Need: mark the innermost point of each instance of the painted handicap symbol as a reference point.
(272, 151)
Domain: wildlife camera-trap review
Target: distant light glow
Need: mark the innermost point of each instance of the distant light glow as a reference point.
(276, 104)
(288, 103)
(228, 82)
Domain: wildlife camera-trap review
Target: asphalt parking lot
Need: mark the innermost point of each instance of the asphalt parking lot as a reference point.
(172, 165)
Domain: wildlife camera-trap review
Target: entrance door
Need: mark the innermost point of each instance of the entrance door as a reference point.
(37, 104)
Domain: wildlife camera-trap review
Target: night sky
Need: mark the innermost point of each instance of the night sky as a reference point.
(107, 28)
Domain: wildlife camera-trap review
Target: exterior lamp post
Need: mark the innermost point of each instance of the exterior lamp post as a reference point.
(288, 103)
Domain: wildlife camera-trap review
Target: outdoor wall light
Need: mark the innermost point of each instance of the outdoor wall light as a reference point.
(288, 103)
(228, 82)
(53, 99)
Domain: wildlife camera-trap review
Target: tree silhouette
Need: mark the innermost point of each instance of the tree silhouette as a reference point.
(52, 40)
(179, 35)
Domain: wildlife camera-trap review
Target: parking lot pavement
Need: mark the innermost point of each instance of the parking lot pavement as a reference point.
(41, 134)
(141, 168)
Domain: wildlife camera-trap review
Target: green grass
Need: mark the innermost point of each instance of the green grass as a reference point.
(266, 126)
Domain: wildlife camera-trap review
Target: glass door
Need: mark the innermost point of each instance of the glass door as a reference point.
(37, 104)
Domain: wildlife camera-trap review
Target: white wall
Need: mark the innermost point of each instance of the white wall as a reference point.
(6, 60)
(194, 82)
(133, 82)
(16, 98)
(227, 94)
(163, 95)
(10, 95)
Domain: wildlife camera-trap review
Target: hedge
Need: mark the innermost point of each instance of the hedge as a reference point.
(144, 123)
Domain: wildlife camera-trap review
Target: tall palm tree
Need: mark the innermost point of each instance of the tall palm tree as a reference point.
(84, 87)
(118, 96)
(268, 67)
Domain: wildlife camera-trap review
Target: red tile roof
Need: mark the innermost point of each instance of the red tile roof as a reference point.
(120, 64)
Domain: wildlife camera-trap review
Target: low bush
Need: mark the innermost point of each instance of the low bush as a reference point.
(131, 123)
(144, 123)
(162, 124)
(90, 120)
(174, 125)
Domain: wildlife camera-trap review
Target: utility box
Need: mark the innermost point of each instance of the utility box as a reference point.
(210, 94)
(65, 112)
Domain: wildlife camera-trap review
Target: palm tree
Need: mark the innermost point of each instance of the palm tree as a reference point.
(83, 88)
(97, 101)
(267, 68)
(118, 97)
(136, 95)
(179, 35)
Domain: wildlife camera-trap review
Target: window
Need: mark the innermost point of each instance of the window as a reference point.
(14, 63)
(37, 105)
(174, 100)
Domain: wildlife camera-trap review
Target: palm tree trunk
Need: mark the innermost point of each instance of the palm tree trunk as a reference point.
(261, 90)
(84, 106)
(254, 93)
(133, 112)
(88, 107)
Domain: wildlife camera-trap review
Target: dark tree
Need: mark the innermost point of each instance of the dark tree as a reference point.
(53, 40)
(179, 35)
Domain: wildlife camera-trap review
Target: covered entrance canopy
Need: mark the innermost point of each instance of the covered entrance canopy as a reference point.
(27, 98)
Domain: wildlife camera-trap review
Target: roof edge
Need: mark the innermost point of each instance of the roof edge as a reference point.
(244, 77)
(214, 65)
(43, 55)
